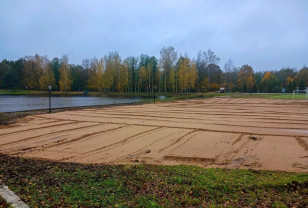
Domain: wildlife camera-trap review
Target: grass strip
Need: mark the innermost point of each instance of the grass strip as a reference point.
(52, 184)
(288, 96)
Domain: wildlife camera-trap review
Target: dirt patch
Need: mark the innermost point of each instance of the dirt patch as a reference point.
(218, 132)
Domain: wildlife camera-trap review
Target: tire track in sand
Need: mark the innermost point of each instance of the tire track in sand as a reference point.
(183, 118)
(43, 127)
(302, 143)
(179, 139)
(42, 135)
(64, 141)
(238, 139)
(232, 115)
(228, 157)
(112, 146)
(141, 151)
(192, 128)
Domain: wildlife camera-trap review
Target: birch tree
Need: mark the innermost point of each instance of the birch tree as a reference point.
(96, 80)
(65, 77)
(168, 57)
(47, 78)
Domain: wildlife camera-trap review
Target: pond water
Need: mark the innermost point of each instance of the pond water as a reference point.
(12, 103)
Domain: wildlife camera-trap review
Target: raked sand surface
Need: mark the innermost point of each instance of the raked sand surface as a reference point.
(218, 132)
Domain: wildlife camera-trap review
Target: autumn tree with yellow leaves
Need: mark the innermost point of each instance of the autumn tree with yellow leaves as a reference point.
(33, 70)
(96, 81)
(47, 78)
(269, 82)
(65, 82)
(302, 78)
(187, 74)
(245, 79)
(145, 73)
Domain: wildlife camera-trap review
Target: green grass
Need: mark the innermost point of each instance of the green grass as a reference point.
(270, 96)
(50, 184)
(169, 96)
(91, 93)
(22, 92)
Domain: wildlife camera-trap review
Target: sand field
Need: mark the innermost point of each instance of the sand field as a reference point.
(219, 132)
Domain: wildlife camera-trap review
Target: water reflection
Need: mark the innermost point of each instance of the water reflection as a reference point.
(11, 103)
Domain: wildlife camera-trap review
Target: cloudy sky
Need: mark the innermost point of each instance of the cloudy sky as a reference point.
(268, 34)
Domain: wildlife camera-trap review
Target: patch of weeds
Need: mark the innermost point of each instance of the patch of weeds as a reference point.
(278, 204)
(4, 119)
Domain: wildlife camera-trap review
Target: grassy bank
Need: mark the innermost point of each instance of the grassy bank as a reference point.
(37, 92)
(70, 93)
(149, 95)
(51, 184)
(270, 96)
(91, 93)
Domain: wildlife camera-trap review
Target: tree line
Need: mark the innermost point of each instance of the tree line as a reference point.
(171, 73)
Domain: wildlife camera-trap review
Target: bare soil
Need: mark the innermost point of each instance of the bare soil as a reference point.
(218, 132)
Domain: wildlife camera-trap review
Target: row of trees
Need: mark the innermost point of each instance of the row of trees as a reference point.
(170, 73)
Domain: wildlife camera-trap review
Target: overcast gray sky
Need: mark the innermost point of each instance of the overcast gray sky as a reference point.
(268, 34)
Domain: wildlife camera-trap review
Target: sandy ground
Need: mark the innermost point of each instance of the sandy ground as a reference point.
(219, 132)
